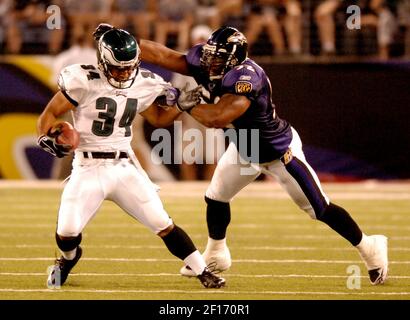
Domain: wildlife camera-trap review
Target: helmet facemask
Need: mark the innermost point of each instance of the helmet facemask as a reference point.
(225, 49)
(118, 58)
(215, 62)
(120, 77)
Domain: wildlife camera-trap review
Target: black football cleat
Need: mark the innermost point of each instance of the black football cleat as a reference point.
(62, 267)
(210, 280)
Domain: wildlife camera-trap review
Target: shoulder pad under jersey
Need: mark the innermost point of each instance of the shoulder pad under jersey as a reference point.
(242, 80)
(148, 74)
(148, 86)
(74, 83)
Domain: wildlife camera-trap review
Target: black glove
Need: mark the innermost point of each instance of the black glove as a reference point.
(50, 145)
(188, 99)
(101, 29)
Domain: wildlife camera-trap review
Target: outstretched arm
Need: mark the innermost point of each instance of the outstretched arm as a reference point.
(219, 115)
(160, 117)
(162, 56)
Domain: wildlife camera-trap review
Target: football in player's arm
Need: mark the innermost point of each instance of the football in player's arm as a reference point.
(158, 114)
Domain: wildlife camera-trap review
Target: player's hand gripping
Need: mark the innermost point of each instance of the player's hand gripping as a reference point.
(184, 100)
(188, 98)
(49, 144)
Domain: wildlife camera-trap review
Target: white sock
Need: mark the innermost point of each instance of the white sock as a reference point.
(69, 255)
(362, 246)
(215, 245)
(196, 262)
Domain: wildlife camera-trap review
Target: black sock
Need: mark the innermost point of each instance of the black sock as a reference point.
(179, 243)
(339, 220)
(69, 243)
(218, 217)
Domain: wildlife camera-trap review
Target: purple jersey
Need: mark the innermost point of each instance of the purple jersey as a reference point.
(250, 80)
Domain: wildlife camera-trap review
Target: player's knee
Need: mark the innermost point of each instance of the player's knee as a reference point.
(330, 211)
(217, 195)
(219, 209)
(317, 211)
(323, 213)
(214, 202)
(166, 231)
(310, 211)
(68, 243)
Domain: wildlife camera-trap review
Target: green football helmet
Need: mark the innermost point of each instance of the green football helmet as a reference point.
(118, 57)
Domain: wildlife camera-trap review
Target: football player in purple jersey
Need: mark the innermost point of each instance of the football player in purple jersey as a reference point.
(239, 96)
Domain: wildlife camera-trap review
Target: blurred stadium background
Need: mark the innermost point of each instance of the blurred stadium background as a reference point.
(346, 91)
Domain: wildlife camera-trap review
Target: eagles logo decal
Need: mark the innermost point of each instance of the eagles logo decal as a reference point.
(243, 87)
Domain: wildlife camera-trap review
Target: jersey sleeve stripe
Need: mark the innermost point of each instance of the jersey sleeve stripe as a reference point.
(73, 102)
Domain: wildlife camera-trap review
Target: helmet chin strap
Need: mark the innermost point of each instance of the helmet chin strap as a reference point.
(227, 67)
(120, 84)
(212, 78)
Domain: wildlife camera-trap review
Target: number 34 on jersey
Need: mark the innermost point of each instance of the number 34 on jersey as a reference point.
(102, 110)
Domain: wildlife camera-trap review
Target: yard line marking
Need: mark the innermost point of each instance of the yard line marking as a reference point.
(95, 259)
(103, 235)
(227, 275)
(307, 261)
(94, 274)
(367, 190)
(284, 248)
(136, 225)
(232, 247)
(319, 237)
(193, 235)
(95, 226)
(29, 246)
(267, 216)
(176, 260)
(350, 293)
(280, 195)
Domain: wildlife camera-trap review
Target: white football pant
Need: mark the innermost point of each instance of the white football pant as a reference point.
(300, 181)
(94, 180)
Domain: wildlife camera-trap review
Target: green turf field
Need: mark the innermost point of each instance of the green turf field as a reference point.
(278, 252)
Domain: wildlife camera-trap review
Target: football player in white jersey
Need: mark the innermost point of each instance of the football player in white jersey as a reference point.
(104, 101)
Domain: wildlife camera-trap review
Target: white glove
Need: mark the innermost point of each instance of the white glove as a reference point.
(171, 96)
(188, 98)
(168, 97)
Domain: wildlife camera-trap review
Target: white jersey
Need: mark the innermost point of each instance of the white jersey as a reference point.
(104, 114)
